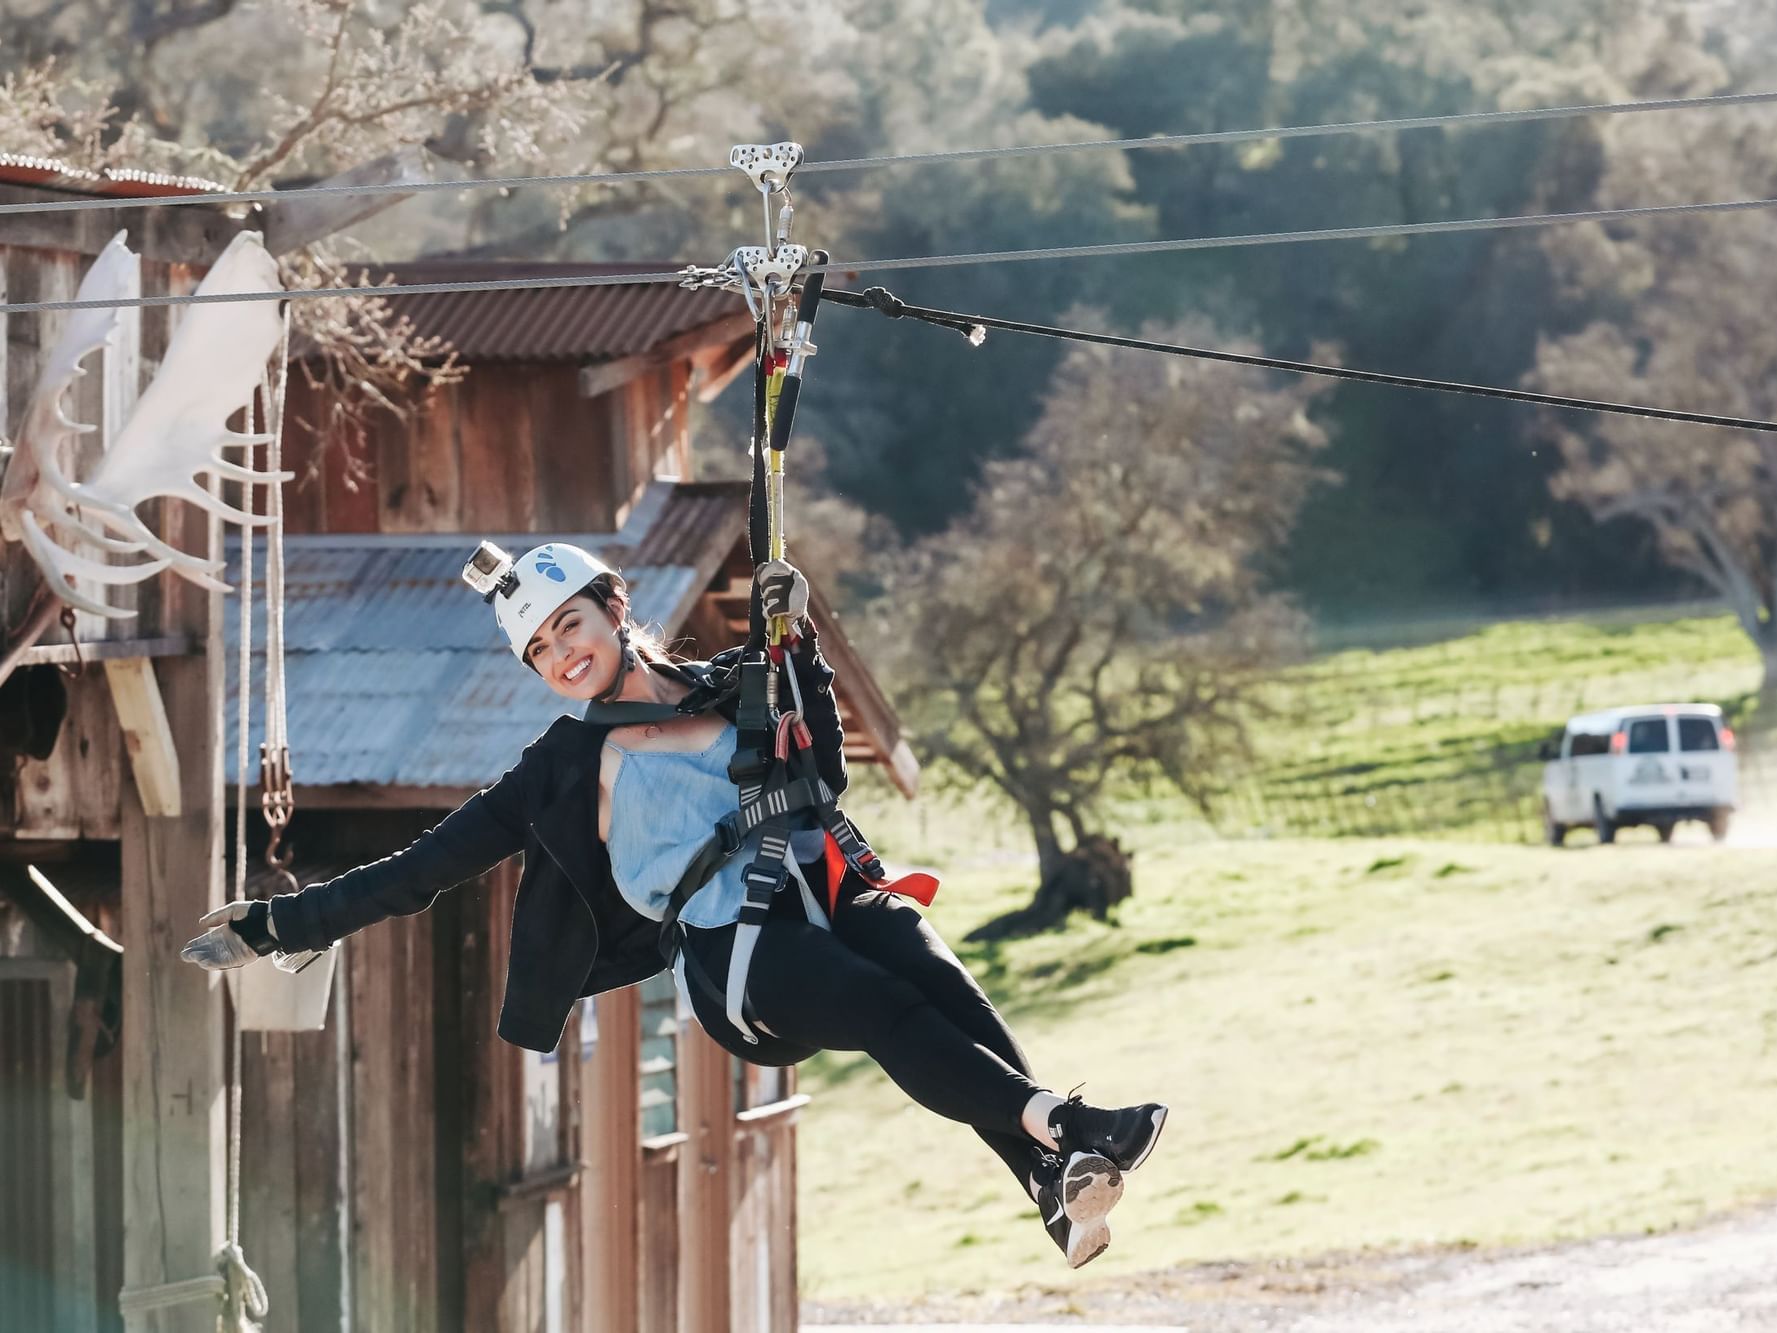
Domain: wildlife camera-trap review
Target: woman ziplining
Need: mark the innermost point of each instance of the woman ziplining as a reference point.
(689, 822)
(613, 815)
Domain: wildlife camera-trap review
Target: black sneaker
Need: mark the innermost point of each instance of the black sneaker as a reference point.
(1074, 1201)
(1126, 1135)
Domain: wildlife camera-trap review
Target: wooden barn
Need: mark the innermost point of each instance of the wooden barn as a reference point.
(402, 1169)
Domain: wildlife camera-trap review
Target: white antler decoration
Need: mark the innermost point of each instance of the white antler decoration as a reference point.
(175, 435)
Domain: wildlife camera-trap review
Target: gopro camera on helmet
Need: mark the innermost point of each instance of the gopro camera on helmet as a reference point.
(490, 570)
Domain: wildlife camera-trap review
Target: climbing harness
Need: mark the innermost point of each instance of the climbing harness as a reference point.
(773, 767)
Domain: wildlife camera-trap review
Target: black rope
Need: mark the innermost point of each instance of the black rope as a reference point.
(758, 521)
(974, 327)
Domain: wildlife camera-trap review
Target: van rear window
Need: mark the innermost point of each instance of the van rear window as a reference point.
(1586, 743)
(1647, 735)
(1697, 733)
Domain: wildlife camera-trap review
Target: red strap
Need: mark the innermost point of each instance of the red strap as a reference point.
(920, 887)
(788, 726)
(836, 868)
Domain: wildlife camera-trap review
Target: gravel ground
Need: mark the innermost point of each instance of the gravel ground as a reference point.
(1720, 1276)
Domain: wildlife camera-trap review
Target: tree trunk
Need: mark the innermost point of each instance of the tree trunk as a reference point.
(1764, 717)
(1094, 877)
(1049, 853)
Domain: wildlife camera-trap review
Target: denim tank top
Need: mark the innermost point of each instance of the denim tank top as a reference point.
(664, 807)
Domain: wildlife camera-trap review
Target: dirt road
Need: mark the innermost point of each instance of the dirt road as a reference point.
(1718, 1277)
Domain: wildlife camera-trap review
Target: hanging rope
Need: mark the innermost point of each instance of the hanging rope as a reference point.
(244, 1299)
(975, 327)
(277, 794)
(244, 690)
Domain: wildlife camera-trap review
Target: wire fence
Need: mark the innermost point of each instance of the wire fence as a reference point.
(1348, 752)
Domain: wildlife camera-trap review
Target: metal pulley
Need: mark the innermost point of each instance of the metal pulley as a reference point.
(769, 166)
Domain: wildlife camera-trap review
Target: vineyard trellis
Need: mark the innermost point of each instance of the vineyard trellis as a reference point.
(1450, 745)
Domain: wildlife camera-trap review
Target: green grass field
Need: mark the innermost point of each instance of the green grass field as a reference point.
(1366, 1041)
(1442, 738)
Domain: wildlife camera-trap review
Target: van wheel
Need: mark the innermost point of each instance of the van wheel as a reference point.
(1607, 831)
(1718, 825)
(1664, 829)
(1553, 829)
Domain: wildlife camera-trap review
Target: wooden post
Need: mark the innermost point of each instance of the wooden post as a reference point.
(706, 1100)
(611, 1196)
(147, 736)
(174, 1099)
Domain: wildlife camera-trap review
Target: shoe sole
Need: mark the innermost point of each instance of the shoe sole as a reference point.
(1086, 1243)
(1148, 1147)
(1091, 1185)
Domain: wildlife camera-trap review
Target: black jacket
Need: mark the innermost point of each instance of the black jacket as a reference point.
(572, 932)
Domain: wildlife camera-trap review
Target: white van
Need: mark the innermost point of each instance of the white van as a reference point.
(1654, 765)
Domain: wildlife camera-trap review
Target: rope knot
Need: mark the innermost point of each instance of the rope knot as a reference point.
(245, 1300)
(882, 299)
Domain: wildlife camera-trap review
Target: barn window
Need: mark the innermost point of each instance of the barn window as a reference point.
(660, 1056)
(759, 1085)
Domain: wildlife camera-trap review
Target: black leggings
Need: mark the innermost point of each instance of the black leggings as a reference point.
(882, 982)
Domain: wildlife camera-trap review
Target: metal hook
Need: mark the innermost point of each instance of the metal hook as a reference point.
(277, 802)
(78, 670)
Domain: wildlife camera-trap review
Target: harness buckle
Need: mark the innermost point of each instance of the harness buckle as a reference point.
(763, 880)
(730, 830)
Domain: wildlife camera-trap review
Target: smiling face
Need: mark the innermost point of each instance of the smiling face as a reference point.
(576, 650)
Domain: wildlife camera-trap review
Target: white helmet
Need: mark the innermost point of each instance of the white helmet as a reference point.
(527, 591)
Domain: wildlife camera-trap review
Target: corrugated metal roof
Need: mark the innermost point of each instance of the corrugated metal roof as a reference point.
(578, 324)
(395, 673)
(113, 182)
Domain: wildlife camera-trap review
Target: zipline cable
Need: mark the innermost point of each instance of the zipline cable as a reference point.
(1455, 120)
(1114, 249)
(886, 303)
(1391, 229)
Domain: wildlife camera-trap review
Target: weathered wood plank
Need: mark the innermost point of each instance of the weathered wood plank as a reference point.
(71, 654)
(706, 1111)
(679, 385)
(497, 451)
(290, 224)
(268, 1172)
(395, 1250)
(188, 234)
(108, 399)
(483, 1170)
(321, 1099)
(7, 424)
(659, 1249)
(372, 1140)
(147, 737)
(351, 498)
(419, 470)
(74, 793)
(303, 497)
(606, 376)
(611, 1200)
(174, 1108)
(572, 449)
